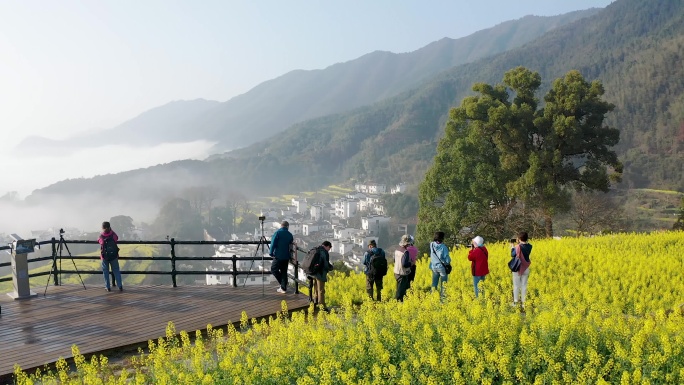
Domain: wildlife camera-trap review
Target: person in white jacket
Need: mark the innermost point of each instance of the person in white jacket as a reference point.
(402, 268)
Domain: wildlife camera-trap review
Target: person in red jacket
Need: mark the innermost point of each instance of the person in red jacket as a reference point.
(479, 265)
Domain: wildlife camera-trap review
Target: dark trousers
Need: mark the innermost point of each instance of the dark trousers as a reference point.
(377, 281)
(279, 271)
(402, 286)
(412, 275)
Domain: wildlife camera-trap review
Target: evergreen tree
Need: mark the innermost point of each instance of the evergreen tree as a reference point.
(123, 225)
(679, 225)
(499, 155)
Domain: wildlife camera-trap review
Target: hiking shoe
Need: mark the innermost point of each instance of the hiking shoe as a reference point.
(281, 291)
(120, 288)
(108, 289)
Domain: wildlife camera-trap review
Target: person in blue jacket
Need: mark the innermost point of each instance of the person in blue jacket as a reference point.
(280, 251)
(439, 253)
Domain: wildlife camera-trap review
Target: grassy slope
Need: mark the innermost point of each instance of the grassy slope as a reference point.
(83, 265)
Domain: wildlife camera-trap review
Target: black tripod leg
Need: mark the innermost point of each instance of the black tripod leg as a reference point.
(75, 268)
(250, 267)
(52, 271)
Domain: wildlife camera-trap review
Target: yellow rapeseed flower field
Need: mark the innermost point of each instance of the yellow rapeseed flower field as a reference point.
(600, 310)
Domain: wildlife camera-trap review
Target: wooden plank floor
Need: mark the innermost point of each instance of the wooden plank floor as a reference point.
(39, 330)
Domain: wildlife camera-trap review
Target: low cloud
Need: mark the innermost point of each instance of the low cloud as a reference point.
(25, 174)
(83, 211)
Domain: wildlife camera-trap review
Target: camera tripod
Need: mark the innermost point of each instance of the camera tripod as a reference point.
(60, 247)
(263, 244)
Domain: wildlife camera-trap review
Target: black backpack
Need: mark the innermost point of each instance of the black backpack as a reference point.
(110, 251)
(378, 264)
(313, 262)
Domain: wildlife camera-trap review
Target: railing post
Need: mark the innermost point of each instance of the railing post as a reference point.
(296, 274)
(234, 259)
(173, 261)
(53, 242)
(20, 269)
(311, 288)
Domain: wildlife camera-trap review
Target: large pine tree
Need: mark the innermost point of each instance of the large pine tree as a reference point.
(501, 157)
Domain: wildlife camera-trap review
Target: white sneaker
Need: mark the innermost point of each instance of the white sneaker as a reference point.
(281, 291)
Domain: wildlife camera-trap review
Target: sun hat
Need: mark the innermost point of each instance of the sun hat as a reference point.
(479, 241)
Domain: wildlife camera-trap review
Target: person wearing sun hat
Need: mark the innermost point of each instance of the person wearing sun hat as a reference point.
(402, 267)
(413, 253)
(479, 262)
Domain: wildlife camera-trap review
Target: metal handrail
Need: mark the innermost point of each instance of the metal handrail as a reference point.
(172, 258)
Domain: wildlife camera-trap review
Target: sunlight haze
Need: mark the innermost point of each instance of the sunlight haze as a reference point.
(74, 66)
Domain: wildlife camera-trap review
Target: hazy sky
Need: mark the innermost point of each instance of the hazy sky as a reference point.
(69, 66)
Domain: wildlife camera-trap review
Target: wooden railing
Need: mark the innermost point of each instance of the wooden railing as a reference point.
(171, 257)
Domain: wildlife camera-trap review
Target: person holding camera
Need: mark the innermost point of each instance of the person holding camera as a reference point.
(479, 262)
(280, 251)
(402, 267)
(439, 257)
(413, 253)
(522, 251)
(109, 255)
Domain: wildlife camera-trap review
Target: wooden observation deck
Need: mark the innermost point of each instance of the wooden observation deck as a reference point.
(40, 330)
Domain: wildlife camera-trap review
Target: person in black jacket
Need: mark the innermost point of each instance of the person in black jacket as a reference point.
(373, 278)
(322, 276)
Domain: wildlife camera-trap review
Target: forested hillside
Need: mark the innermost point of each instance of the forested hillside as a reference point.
(276, 104)
(273, 106)
(635, 47)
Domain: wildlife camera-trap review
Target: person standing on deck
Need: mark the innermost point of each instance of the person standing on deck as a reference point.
(280, 251)
(109, 255)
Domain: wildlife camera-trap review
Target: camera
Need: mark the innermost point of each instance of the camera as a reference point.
(61, 231)
(262, 218)
(513, 240)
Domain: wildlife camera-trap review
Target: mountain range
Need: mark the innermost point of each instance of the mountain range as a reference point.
(635, 47)
(274, 105)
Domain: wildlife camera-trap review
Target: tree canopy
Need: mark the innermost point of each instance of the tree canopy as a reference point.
(401, 206)
(178, 219)
(503, 157)
(679, 224)
(123, 224)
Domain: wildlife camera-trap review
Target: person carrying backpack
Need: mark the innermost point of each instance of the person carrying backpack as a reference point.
(109, 255)
(376, 268)
(402, 267)
(439, 255)
(413, 253)
(321, 276)
(521, 251)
